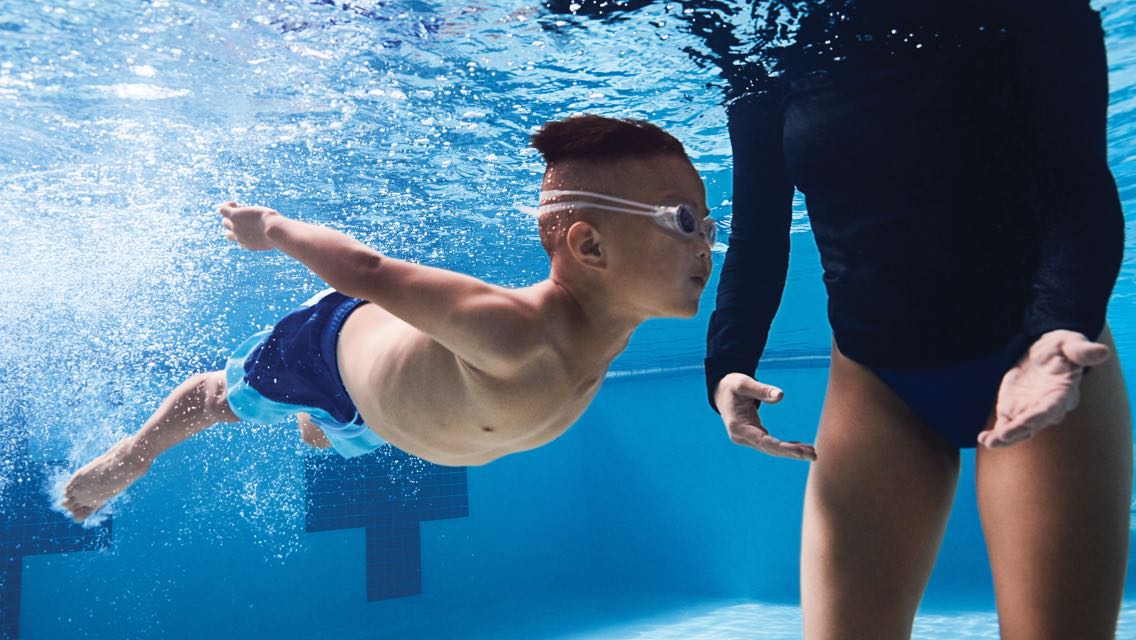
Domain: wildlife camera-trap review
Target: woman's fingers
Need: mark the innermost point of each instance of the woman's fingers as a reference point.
(758, 438)
(1008, 430)
(1085, 353)
(742, 423)
(798, 450)
(751, 388)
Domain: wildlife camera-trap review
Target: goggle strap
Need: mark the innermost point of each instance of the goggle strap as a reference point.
(556, 193)
(649, 210)
(564, 206)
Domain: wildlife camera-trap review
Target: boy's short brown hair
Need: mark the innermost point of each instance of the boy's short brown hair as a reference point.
(587, 139)
(596, 138)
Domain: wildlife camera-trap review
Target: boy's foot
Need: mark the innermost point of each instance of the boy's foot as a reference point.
(103, 478)
(310, 433)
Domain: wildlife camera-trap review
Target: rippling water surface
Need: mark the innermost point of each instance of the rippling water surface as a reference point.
(404, 123)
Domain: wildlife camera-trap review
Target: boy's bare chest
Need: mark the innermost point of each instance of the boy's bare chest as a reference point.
(424, 400)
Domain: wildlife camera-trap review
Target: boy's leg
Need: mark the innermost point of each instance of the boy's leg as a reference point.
(194, 405)
(1055, 510)
(310, 433)
(876, 506)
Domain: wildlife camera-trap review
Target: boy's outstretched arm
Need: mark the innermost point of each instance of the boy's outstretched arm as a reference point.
(490, 327)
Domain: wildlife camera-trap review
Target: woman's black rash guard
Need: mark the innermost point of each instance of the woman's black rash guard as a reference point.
(955, 175)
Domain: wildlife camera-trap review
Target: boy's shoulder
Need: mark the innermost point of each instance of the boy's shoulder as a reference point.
(520, 325)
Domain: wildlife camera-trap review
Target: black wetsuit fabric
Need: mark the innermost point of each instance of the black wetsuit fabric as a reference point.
(952, 156)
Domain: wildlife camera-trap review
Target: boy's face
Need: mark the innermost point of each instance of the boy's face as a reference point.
(659, 272)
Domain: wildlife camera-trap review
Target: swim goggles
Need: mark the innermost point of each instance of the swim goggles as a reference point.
(679, 218)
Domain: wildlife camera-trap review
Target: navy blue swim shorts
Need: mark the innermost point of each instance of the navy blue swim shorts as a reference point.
(292, 368)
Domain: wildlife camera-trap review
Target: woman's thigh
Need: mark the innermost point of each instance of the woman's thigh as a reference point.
(876, 506)
(1055, 511)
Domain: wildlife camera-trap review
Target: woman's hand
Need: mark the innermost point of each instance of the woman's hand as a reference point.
(248, 226)
(737, 399)
(1043, 387)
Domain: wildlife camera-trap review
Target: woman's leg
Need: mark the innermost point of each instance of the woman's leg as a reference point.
(194, 405)
(1055, 510)
(876, 506)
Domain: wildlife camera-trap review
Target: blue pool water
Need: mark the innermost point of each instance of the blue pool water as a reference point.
(404, 123)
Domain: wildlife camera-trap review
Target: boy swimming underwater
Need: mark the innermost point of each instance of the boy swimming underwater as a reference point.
(439, 364)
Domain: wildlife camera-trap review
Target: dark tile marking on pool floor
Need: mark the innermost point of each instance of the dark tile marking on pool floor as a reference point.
(389, 493)
(28, 526)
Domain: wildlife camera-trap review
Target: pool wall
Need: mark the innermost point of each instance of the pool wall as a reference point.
(643, 505)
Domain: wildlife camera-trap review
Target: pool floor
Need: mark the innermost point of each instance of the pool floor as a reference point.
(623, 616)
(738, 621)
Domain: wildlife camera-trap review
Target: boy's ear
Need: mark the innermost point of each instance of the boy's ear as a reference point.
(586, 246)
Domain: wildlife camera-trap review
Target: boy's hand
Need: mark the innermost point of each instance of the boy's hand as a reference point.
(248, 226)
(737, 399)
(1043, 387)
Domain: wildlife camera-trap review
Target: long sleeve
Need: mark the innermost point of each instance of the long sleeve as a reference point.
(1063, 76)
(753, 275)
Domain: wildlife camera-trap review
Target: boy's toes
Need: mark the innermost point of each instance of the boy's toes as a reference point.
(72, 507)
(79, 511)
